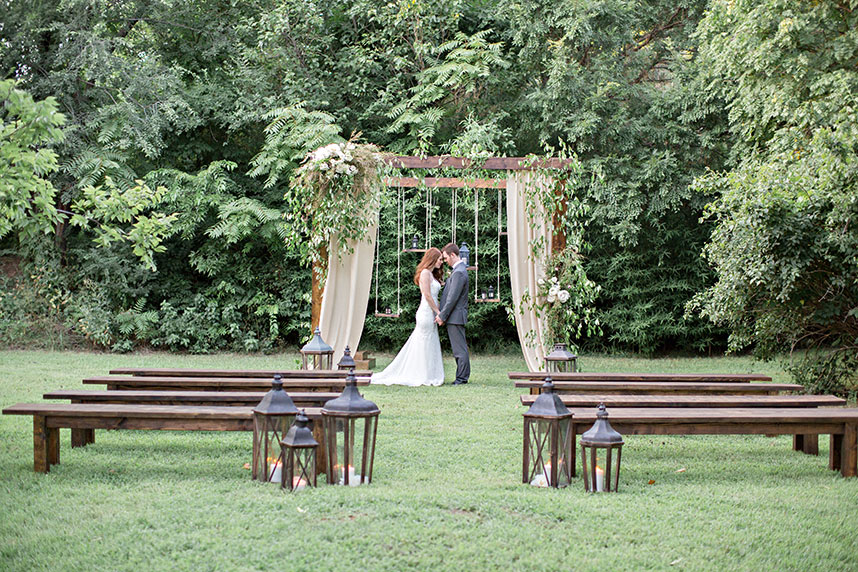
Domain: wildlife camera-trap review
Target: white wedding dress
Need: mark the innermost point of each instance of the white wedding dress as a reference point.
(419, 361)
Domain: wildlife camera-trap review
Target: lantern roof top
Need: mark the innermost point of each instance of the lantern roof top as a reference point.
(351, 402)
(276, 401)
(300, 435)
(601, 433)
(560, 353)
(347, 361)
(548, 404)
(317, 345)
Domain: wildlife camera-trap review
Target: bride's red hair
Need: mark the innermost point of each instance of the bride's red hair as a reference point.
(429, 260)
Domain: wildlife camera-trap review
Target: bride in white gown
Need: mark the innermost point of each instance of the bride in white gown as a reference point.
(419, 361)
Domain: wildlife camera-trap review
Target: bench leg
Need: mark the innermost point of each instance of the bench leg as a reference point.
(46, 445)
(808, 444)
(321, 450)
(82, 437)
(834, 449)
(849, 451)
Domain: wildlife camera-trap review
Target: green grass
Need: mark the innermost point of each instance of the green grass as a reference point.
(446, 493)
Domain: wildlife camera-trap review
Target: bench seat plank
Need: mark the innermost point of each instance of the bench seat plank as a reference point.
(645, 387)
(217, 383)
(255, 373)
(630, 377)
(219, 398)
(49, 418)
(625, 400)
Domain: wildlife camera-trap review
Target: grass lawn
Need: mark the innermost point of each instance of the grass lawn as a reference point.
(446, 493)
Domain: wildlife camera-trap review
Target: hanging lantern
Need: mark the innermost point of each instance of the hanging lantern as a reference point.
(347, 362)
(388, 311)
(600, 447)
(415, 242)
(560, 360)
(350, 426)
(299, 455)
(491, 292)
(271, 420)
(316, 354)
(483, 295)
(548, 458)
(465, 254)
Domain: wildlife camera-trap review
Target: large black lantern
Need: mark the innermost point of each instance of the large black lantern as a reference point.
(350, 426)
(299, 455)
(465, 254)
(560, 360)
(601, 452)
(347, 362)
(415, 242)
(316, 354)
(548, 459)
(272, 418)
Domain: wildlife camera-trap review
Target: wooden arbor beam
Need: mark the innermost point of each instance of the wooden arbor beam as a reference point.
(491, 163)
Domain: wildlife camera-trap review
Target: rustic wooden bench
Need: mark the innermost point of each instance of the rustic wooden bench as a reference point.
(657, 388)
(266, 373)
(49, 418)
(806, 443)
(840, 423)
(332, 385)
(651, 377)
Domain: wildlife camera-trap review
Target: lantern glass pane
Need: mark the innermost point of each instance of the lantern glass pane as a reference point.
(268, 431)
(550, 452)
(300, 468)
(601, 468)
(352, 452)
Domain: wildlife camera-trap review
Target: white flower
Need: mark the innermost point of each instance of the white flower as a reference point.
(541, 282)
(323, 166)
(555, 288)
(352, 170)
(554, 279)
(563, 296)
(551, 296)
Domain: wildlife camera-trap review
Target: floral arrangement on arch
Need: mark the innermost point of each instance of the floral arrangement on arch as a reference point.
(565, 300)
(334, 193)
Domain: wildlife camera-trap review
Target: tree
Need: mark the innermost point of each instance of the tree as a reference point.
(785, 245)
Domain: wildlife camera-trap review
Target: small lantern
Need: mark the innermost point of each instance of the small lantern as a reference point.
(465, 254)
(483, 295)
(548, 458)
(491, 292)
(350, 426)
(316, 354)
(560, 360)
(347, 362)
(299, 455)
(271, 420)
(598, 445)
(414, 242)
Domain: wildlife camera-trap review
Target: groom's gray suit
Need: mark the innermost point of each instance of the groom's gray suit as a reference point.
(454, 313)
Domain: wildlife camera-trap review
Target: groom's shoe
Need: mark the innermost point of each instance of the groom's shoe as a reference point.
(459, 382)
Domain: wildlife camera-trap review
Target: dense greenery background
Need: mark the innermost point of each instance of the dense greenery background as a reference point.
(166, 104)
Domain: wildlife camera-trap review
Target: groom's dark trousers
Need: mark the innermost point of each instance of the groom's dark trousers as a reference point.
(454, 313)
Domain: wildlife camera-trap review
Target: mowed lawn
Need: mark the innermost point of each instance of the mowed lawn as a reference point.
(446, 493)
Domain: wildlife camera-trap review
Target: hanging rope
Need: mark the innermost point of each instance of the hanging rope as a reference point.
(454, 208)
(476, 242)
(400, 232)
(497, 291)
(377, 240)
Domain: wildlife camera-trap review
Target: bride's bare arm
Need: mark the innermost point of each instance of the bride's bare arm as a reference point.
(426, 289)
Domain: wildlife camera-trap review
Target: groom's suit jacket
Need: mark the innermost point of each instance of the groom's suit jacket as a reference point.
(454, 298)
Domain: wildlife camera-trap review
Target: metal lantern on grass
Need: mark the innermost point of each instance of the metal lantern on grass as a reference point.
(299, 455)
(350, 427)
(272, 418)
(560, 360)
(548, 459)
(316, 354)
(601, 452)
(347, 362)
(465, 254)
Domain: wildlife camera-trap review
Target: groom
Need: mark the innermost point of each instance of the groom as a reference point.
(454, 311)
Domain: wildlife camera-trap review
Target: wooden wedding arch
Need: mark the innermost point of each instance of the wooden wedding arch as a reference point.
(447, 161)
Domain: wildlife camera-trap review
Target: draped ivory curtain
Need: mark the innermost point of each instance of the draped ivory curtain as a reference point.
(525, 265)
(346, 292)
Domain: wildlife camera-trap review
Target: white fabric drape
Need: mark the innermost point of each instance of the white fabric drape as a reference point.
(346, 293)
(525, 268)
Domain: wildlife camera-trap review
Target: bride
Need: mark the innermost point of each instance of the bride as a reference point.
(419, 361)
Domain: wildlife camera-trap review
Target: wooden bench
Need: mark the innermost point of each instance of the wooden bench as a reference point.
(49, 418)
(331, 385)
(650, 377)
(266, 373)
(657, 388)
(625, 400)
(840, 423)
